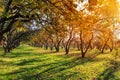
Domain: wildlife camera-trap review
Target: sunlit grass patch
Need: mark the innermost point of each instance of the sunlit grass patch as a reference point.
(30, 63)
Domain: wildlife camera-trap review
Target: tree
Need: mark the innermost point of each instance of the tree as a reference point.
(13, 38)
(24, 11)
(67, 40)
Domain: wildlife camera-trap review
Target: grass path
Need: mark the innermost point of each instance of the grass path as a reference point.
(29, 63)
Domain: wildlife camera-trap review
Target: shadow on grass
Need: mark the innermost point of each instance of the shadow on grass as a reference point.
(59, 68)
(108, 74)
(25, 53)
(56, 68)
(45, 69)
(52, 68)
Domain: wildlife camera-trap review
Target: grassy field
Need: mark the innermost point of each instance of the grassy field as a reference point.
(29, 63)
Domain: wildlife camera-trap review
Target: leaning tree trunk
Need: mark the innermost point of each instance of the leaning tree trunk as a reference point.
(57, 48)
(83, 52)
(67, 46)
(102, 50)
(57, 45)
(68, 43)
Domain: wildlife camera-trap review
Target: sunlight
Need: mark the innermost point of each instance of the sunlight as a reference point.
(119, 0)
(81, 5)
(119, 4)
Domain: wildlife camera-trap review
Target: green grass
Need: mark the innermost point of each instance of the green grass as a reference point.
(29, 63)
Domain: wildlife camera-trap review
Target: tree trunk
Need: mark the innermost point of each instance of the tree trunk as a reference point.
(110, 48)
(57, 48)
(67, 50)
(51, 48)
(102, 50)
(5, 51)
(8, 50)
(46, 46)
(83, 55)
(57, 45)
(78, 46)
(83, 52)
